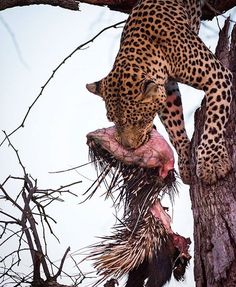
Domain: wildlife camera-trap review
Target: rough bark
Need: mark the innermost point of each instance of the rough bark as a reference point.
(214, 207)
(215, 7)
(67, 4)
(210, 10)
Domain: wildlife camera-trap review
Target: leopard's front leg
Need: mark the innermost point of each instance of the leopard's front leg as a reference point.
(212, 157)
(172, 117)
(203, 71)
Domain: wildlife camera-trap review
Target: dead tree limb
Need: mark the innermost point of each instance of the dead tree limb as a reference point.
(67, 4)
(24, 231)
(210, 10)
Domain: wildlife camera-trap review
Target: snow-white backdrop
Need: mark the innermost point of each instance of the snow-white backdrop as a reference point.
(34, 40)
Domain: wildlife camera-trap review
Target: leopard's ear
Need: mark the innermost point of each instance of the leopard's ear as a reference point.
(94, 88)
(153, 92)
(149, 91)
(149, 86)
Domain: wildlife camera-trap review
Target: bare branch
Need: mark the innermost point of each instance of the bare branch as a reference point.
(61, 265)
(80, 272)
(16, 152)
(67, 4)
(12, 177)
(216, 7)
(117, 5)
(210, 10)
(116, 25)
(7, 197)
(29, 238)
(12, 217)
(28, 214)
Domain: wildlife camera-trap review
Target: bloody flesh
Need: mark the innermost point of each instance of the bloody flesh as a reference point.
(155, 153)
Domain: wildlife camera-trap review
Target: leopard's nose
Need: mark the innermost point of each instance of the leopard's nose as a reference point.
(129, 137)
(129, 142)
(124, 140)
(126, 143)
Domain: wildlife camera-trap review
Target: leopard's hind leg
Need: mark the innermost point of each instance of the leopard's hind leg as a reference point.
(172, 118)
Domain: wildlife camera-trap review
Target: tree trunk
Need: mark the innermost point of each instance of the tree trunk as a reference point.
(214, 207)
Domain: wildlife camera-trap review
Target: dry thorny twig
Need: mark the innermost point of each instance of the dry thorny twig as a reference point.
(24, 219)
(21, 125)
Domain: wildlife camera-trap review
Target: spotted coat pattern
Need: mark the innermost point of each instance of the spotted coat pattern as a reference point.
(160, 47)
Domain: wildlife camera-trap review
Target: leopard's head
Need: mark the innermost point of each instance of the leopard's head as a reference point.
(131, 103)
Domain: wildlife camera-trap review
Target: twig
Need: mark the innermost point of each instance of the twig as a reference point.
(30, 218)
(7, 197)
(16, 152)
(10, 236)
(11, 253)
(12, 217)
(61, 265)
(12, 177)
(29, 238)
(80, 272)
(52, 75)
(217, 12)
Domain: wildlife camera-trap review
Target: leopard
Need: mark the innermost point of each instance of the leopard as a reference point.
(160, 48)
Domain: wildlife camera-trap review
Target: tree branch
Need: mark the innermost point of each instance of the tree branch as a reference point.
(210, 10)
(116, 5)
(67, 4)
(61, 265)
(21, 125)
(216, 7)
(27, 230)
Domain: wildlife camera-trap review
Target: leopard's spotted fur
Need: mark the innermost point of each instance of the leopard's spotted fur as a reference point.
(160, 47)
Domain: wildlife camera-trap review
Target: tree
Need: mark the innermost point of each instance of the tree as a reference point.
(213, 270)
(24, 218)
(214, 207)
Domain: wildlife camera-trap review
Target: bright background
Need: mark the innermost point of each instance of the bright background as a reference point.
(34, 40)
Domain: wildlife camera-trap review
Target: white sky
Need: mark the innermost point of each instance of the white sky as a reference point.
(54, 136)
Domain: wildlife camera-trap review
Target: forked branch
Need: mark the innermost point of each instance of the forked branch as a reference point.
(30, 203)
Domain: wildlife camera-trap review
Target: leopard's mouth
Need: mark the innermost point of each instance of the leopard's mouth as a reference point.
(141, 141)
(146, 139)
(155, 152)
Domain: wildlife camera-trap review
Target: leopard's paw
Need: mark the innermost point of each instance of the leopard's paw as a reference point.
(213, 162)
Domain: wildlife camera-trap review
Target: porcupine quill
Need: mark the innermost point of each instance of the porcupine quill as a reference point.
(139, 245)
(143, 184)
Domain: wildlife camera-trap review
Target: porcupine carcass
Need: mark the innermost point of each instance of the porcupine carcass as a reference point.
(143, 244)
